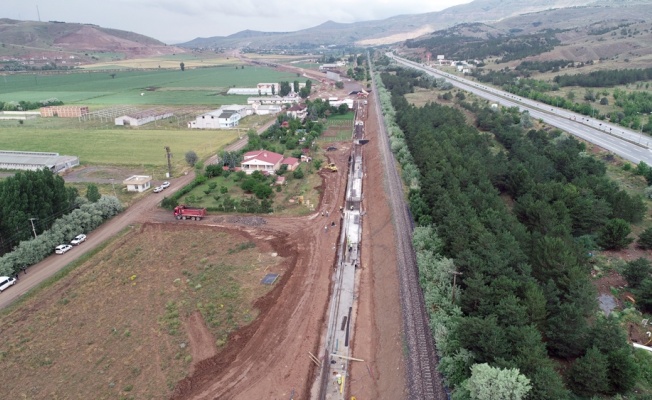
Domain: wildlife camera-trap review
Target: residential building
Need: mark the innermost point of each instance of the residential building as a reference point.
(217, 119)
(138, 183)
(291, 162)
(298, 111)
(261, 160)
(270, 109)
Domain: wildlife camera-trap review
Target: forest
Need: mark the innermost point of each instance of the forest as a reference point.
(515, 214)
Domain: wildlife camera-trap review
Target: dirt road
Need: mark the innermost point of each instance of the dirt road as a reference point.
(37, 273)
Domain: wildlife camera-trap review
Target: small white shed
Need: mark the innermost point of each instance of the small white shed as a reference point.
(138, 183)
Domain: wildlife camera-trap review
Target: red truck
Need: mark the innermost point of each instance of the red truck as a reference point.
(185, 212)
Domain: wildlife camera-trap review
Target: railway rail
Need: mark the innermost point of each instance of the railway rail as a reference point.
(424, 381)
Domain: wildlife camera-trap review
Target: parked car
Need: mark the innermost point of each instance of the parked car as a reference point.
(62, 248)
(79, 239)
(6, 281)
(158, 189)
(165, 185)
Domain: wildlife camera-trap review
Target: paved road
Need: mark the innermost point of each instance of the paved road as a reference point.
(624, 142)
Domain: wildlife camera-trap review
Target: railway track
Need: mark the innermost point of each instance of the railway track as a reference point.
(424, 381)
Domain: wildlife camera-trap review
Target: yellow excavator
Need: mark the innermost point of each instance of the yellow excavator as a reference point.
(331, 167)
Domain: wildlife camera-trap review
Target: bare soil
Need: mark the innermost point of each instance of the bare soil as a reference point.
(106, 330)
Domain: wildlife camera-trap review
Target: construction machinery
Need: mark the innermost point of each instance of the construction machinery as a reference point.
(332, 167)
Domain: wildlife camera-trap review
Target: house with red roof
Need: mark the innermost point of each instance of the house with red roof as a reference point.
(261, 160)
(291, 162)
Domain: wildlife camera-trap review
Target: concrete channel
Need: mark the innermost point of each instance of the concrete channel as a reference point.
(336, 356)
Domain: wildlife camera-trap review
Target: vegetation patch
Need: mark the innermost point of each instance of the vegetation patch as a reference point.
(116, 321)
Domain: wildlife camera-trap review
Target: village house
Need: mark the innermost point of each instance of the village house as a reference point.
(261, 160)
(291, 162)
(298, 111)
(138, 183)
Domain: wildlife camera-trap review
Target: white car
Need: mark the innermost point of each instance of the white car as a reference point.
(165, 185)
(158, 189)
(62, 248)
(79, 239)
(6, 281)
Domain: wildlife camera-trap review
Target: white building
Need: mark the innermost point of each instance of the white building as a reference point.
(217, 119)
(278, 100)
(138, 183)
(32, 161)
(267, 109)
(142, 118)
(348, 102)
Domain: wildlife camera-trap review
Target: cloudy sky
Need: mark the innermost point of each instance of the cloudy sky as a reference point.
(174, 21)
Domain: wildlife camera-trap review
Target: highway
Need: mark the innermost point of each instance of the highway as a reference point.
(628, 144)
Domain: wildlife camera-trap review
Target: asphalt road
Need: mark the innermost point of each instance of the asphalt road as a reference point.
(624, 142)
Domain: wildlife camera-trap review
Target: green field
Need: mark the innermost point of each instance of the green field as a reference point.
(118, 147)
(201, 86)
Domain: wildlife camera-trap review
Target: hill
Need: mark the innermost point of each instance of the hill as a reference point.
(604, 33)
(387, 31)
(43, 41)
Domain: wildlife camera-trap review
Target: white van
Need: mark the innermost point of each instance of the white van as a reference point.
(5, 282)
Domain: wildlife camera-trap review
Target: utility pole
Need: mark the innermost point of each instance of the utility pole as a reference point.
(113, 184)
(169, 156)
(455, 273)
(33, 229)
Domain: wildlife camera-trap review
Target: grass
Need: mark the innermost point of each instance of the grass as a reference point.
(118, 147)
(193, 86)
(281, 200)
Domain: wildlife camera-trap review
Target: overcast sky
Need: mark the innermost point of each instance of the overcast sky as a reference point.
(175, 21)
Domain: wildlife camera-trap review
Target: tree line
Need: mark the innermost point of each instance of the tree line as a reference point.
(515, 215)
(37, 196)
(605, 78)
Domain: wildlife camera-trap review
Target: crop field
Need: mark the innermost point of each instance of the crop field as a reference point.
(338, 128)
(117, 147)
(191, 60)
(121, 325)
(201, 86)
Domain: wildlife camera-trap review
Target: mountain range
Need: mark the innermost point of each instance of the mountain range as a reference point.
(87, 42)
(399, 28)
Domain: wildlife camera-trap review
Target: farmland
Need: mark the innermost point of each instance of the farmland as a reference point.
(120, 325)
(201, 86)
(117, 147)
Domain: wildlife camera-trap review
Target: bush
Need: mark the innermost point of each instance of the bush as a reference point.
(298, 174)
(191, 158)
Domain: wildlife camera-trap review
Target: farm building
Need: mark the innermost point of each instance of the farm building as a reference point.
(217, 119)
(325, 67)
(244, 91)
(278, 100)
(19, 115)
(267, 109)
(142, 118)
(261, 160)
(32, 161)
(64, 111)
(243, 110)
(138, 183)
